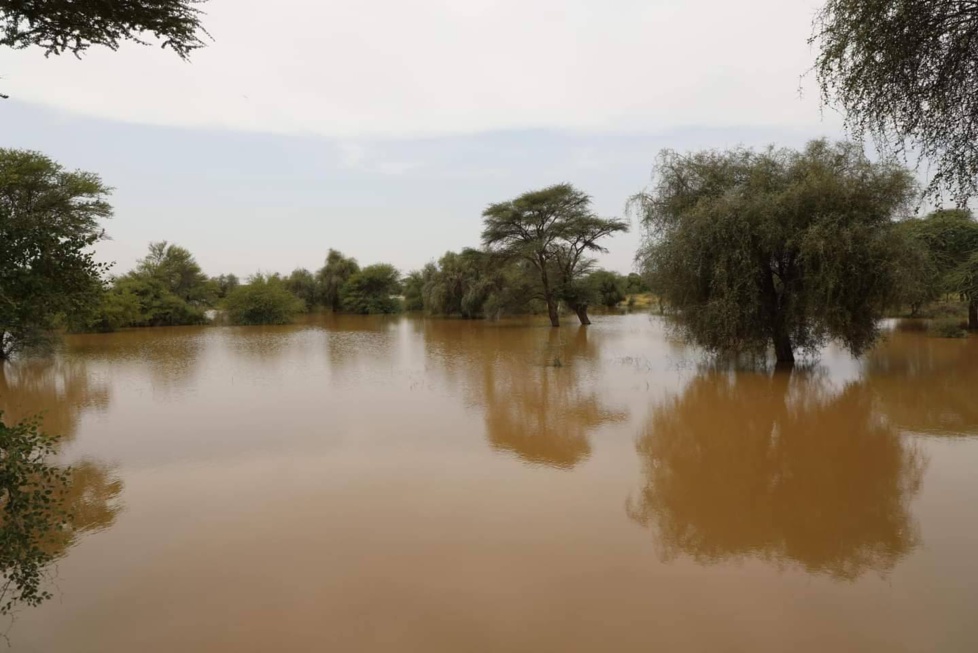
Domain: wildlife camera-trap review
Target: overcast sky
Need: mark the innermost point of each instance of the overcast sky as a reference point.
(383, 128)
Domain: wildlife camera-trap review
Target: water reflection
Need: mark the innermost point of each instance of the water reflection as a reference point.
(782, 468)
(926, 385)
(92, 500)
(535, 386)
(171, 355)
(59, 390)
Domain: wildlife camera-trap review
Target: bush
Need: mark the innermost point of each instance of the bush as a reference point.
(947, 328)
(264, 300)
(371, 290)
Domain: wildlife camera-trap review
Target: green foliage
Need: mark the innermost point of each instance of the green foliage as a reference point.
(413, 285)
(224, 284)
(552, 230)
(947, 328)
(610, 288)
(264, 300)
(372, 290)
(167, 288)
(779, 246)
(49, 219)
(636, 285)
(331, 277)
(303, 285)
(32, 512)
(73, 26)
(947, 241)
(178, 271)
(904, 72)
(472, 284)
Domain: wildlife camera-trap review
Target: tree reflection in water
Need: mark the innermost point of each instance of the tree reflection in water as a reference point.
(532, 384)
(778, 467)
(56, 389)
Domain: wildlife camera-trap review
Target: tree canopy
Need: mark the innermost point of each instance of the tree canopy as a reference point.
(331, 277)
(60, 26)
(49, 219)
(905, 72)
(372, 290)
(263, 300)
(553, 230)
(781, 247)
(942, 257)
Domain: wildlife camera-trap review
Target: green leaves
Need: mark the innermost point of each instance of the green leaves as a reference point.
(264, 300)
(779, 246)
(60, 26)
(904, 72)
(49, 219)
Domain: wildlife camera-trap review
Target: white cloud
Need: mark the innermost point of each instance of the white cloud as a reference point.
(381, 68)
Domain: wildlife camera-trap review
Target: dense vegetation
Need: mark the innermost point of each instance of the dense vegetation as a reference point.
(264, 300)
(49, 219)
(779, 247)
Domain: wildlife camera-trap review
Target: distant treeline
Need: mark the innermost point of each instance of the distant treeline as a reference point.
(168, 288)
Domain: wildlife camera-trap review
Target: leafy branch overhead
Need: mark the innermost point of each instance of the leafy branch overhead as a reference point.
(60, 26)
(905, 72)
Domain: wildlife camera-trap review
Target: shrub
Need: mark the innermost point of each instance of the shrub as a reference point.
(264, 300)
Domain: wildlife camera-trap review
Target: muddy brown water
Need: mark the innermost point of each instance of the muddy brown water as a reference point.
(400, 484)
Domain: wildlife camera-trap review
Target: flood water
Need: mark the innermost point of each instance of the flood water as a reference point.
(400, 484)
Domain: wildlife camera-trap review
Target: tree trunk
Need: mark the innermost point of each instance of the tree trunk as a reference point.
(581, 310)
(783, 350)
(552, 311)
(973, 315)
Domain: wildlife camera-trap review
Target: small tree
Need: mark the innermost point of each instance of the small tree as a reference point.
(943, 245)
(224, 284)
(303, 285)
(264, 300)
(775, 247)
(177, 269)
(553, 230)
(609, 287)
(331, 277)
(49, 219)
(905, 72)
(372, 290)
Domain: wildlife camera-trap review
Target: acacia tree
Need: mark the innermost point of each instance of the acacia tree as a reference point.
(60, 26)
(905, 72)
(551, 229)
(49, 219)
(774, 247)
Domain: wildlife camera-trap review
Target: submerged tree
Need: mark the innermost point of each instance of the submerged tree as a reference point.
(372, 290)
(49, 219)
(303, 285)
(775, 247)
(553, 230)
(331, 277)
(263, 300)
(905, 72)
